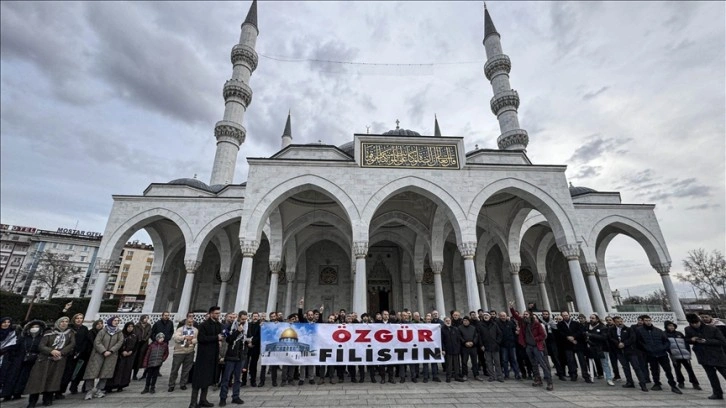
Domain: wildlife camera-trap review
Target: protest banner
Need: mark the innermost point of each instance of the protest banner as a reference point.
(350, 344)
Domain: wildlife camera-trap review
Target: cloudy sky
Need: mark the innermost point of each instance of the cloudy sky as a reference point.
(104, 98)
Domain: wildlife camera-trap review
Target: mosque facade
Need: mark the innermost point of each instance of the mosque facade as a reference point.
(389, 221)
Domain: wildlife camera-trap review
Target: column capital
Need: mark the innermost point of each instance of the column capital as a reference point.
(418, 274)
(437, 267)
(542, 277)
(290, 276)
(226, 275)
(514, 268)
(249, 247)
(662, 268)
(191, 265)
(589, 268)
(468, 249)
(360, 249)
(104, 265)
(570, 251)
(275, 266)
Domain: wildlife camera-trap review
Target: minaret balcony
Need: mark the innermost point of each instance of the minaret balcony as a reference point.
(244, 54)
(516, 139)
(239, 90)
(496, 64)
(505, 99)
(229, 131)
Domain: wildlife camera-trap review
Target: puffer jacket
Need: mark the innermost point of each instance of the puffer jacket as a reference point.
(653, 340)
(680, 350)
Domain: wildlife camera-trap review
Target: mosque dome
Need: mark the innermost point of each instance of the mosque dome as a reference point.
(191, 183)
(401, 132)
(578, 190)
(347, 148)
(288, 333)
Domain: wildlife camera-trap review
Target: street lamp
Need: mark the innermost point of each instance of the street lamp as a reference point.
(30, 304)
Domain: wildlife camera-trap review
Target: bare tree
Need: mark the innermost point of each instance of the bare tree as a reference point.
(53, 270)
(706, 272)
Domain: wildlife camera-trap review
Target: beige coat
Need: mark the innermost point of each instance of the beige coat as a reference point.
(46, 374)
(98, 365)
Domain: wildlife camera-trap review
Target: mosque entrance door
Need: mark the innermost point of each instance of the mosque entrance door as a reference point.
(379, 287)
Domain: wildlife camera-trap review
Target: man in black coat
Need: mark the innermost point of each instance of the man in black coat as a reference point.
(165, 325)
(571, 336)
(508, 346)
(253, 354)
(550, 326)
(451, 349)
(469, 342)
(623, 343)
(708, 344)
(205, 366)
(656, 345)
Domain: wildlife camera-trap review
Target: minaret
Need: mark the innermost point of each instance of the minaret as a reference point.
(505, 102)
(437, 131)
(229, 131)
(287, 133)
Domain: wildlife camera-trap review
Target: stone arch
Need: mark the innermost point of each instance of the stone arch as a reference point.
(212, 228)
(256, 212)
(655, 250)
(548, 206)
(533, 219)
(275, 234)
(309, 238)
(118, 236)
(542, 249)
(514, 239)
(299, 223)
(438, 235)
(406, 219)
(485, 244)
(432, 191)
(396, 238)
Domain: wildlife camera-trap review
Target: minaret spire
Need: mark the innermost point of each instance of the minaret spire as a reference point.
(437, 131)
(237, 94)
(505, 102)
(287, 133)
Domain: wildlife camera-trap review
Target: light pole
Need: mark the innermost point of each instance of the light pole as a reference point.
(30, 305)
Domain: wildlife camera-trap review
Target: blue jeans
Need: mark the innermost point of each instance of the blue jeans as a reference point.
(509, 356)
(231, 369)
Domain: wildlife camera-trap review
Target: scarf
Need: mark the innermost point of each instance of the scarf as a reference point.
(6, 334)
(61, 335)
(109, 325)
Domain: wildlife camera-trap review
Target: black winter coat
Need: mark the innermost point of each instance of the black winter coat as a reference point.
(490, 336)
(469, 334)
(653, 340)
(451, 340)
(627, 337)
(597, 339)
(163, 326)
(205, 366)
(710, 353)
(253, 330)
(236, 350)
(575, 330)
(509, 338)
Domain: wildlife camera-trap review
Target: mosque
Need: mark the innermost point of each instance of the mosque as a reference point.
(385, 221)
(289, 345)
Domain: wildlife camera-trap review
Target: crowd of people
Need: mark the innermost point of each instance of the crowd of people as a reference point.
(50, 360)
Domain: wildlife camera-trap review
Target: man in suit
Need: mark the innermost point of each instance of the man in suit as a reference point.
(623, 343)
(571, 336)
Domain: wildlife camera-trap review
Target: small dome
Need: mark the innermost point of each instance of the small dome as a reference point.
(576, 191)
(288, 333)
(216, 188)
(401, 132)
(191, 183)
(348, 148)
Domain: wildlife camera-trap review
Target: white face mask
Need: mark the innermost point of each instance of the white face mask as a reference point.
(34, 330)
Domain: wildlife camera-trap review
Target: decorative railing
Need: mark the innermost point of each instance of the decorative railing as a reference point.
(153, 317)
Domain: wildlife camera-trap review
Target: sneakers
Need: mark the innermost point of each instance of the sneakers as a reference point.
(611, 383)
(99, 394)
(89, 395)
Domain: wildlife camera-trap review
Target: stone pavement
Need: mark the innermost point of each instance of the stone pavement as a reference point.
(472, 394)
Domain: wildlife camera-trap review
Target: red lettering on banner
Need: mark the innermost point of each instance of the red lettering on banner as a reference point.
(404, 334)
(362, 336)
(383, 336)
(341, 335)
(425, 335)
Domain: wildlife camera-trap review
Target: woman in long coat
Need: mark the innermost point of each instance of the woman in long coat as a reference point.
(125, 363)
(143, 333)
(28, 344)
(46, 374)
(102, 363)
(8, 350)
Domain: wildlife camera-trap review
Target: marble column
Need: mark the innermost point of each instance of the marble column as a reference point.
(514, 268)
(664, 270)
(191, 266)
(607, 293)
(275, 266)
(437, 267)
(360, 298)
(225, 275)
(419, 292)
(242, 300)
(572, 253)
(152, 287)
(591, 273)
(482, 292)
(290, 277)
(468, 250)
(103, 267)
(543, 292)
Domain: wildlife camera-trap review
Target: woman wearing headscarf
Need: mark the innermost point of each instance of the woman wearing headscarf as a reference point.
(124, 365)
(96, 327)
(8, 349)
(27, 352)
(45, 376)
(78, 360)
(102, 363)
(143, 333)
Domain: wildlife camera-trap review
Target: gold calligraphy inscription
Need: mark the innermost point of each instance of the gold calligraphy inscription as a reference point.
(409, 155)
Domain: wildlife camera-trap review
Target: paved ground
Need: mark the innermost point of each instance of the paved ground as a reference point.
(472, 394)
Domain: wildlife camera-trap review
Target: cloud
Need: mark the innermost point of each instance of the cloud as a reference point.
(586, 172)
(591, 95)
(596, 147)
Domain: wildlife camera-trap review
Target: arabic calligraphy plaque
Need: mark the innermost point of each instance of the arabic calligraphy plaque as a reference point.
(409, 155)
